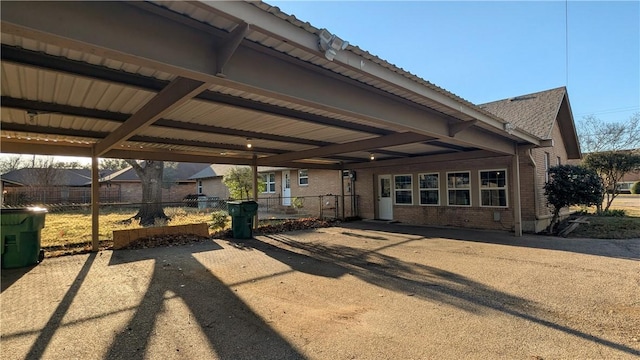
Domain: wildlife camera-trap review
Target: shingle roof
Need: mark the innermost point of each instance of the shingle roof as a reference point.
(534, 113)
(182, 172)
(213, 170)
(55, 177)
(216, 170)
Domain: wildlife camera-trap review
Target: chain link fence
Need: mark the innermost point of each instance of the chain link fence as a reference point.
(69, 223)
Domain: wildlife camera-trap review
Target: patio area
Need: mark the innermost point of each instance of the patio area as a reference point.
(364, 290)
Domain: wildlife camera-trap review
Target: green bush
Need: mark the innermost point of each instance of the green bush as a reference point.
(613, 213)
(219, 219)
(635, 188)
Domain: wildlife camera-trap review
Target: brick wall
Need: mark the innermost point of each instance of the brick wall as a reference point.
(474, 216)
(132, 192)
(213, 187)
(535, 212)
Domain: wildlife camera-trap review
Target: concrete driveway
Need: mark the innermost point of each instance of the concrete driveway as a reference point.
(359, 291)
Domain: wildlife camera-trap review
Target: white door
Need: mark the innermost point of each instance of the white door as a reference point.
(286, 188)
(385, 201)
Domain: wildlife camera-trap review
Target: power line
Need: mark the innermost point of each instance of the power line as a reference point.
(566, 41)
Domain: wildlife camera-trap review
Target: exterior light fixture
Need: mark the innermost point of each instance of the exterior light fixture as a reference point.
(330, 44)
(372, 157)
(249, 143)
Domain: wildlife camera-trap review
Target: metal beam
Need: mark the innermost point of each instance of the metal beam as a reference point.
(182, 156)
(304, 40)
(229, 45)
(362, 145)
(9, 102)
(174, 95)
(421, 160)
(45, 61)
(184, 52)
(31, 147)
(456, 128)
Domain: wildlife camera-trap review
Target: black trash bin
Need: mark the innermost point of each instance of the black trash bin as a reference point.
(242, 213)
(21, 236)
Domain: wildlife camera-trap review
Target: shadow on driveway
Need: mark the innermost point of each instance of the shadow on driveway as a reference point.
(412, 279)
(232, 328)
(615, 248)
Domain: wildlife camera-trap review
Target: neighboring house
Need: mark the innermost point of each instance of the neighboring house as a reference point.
(208, 181)
(51, 186)
(284, 187)
(627, 182)
(479, 192)
(177, 182)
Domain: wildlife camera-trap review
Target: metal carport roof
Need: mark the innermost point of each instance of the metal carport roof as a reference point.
(196, 81)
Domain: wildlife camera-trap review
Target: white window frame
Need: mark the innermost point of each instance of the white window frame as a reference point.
(267, 182)
(547, 163)
(300, 177)
(504, 188)
(421, 189)
(468, 189)
(396, 190)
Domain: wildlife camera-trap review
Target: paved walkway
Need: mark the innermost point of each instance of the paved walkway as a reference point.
(359, 291)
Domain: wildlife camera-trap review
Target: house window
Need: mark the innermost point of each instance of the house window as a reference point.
(269, 180)
(403, 189)
(303, 177)
(429, 189)
(559, 161)
(493, 188)
(459, 188)
(199, 186)
(547, 161)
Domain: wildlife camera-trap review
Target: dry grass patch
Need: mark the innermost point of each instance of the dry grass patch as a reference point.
(613, 227)
(74, 228)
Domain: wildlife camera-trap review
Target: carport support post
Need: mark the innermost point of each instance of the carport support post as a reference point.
(95, 204)
(341, 190)
(254, 168)
(517, 207)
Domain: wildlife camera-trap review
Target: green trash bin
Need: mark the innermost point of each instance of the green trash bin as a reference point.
(242, 213)
(20, 236)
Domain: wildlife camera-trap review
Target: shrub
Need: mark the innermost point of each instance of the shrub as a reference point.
(219, 219)
(635, 188)
(613, 213)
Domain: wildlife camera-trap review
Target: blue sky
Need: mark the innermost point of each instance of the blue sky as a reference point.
(485, 51)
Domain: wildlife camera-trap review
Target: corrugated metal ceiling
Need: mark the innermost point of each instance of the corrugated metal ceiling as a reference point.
(26, 82)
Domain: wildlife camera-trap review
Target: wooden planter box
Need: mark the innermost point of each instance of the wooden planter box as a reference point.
(122, 238)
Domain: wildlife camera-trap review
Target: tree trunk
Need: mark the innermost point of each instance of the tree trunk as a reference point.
(151, 178)
(554, 220)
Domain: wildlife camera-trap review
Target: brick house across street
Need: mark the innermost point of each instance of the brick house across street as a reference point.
(286, 189)
(73, 186)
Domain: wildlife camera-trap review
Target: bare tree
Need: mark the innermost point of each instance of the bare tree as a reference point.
(11, 163)
(596, 135)
(611, 166)
(46, 171)
(113, 164)
(150, 173)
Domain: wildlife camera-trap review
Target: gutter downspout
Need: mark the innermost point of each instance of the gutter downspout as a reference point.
(517, 206)
(535, 184)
